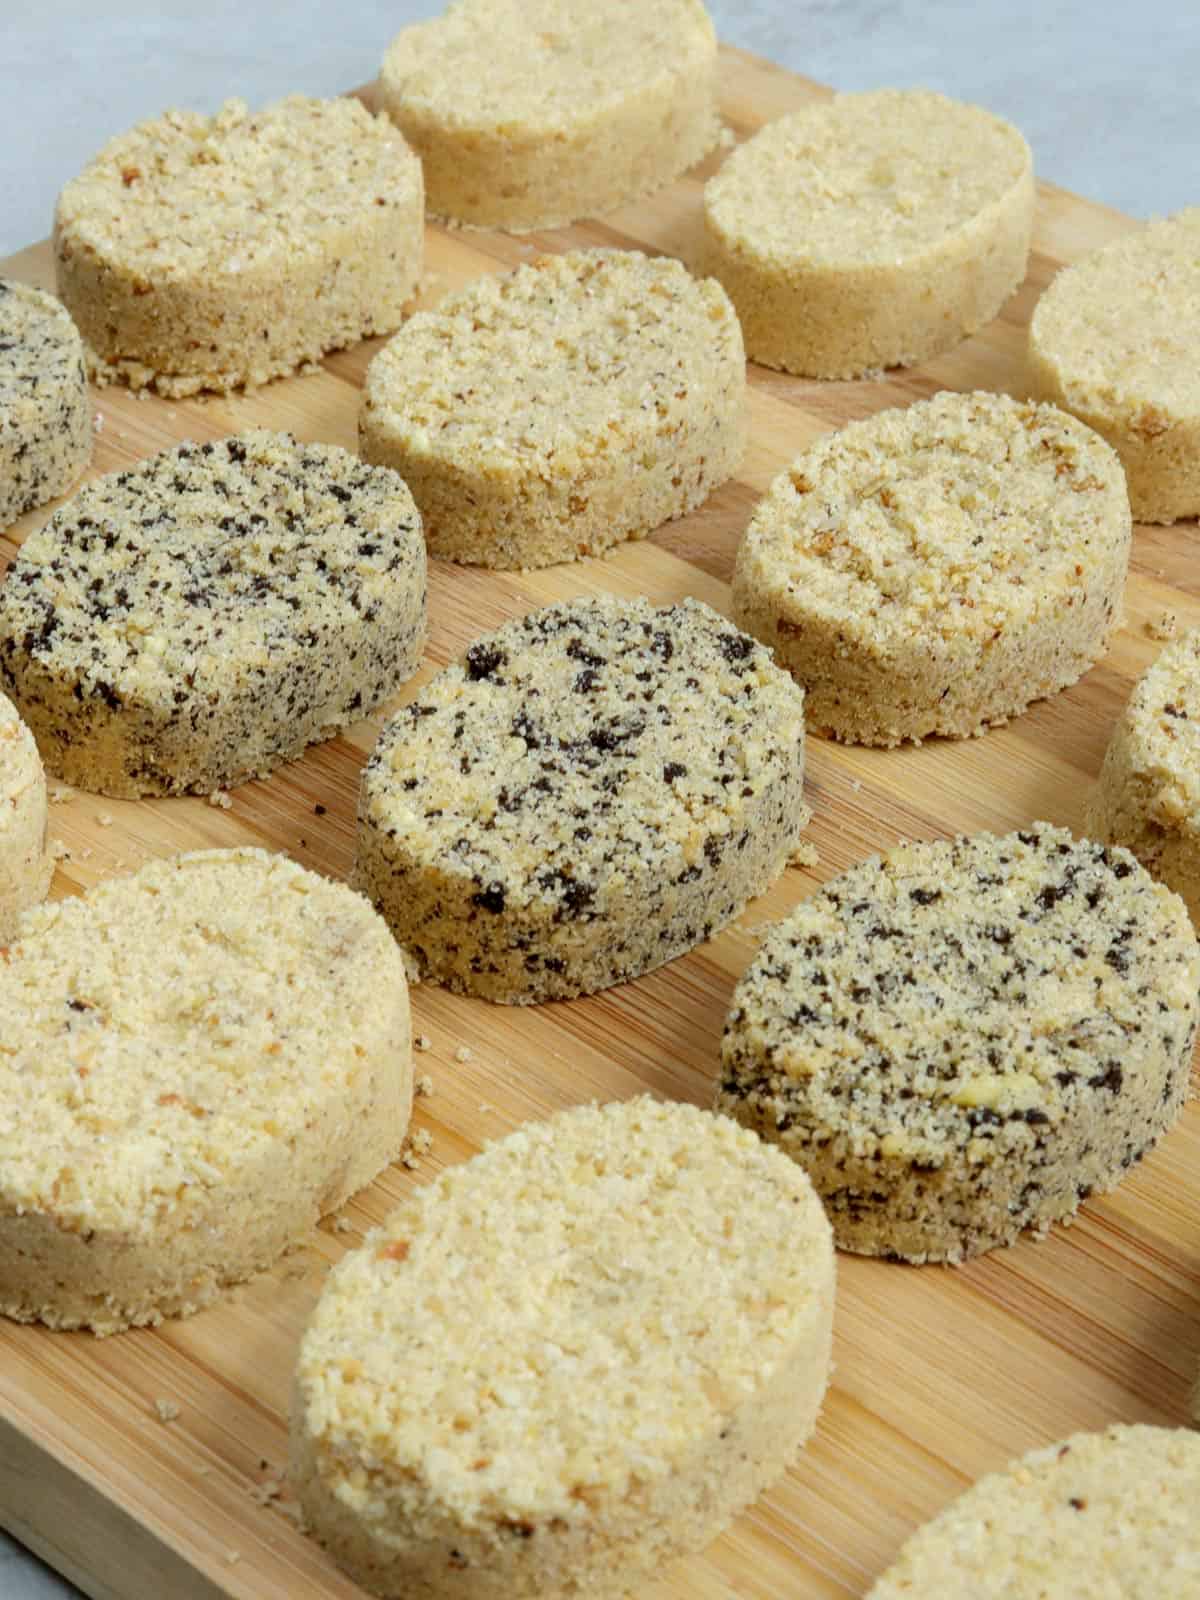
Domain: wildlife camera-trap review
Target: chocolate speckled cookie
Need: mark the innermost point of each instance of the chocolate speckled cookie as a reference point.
(45, 413)
(205, 615)
(967, 1038)
(594, 789)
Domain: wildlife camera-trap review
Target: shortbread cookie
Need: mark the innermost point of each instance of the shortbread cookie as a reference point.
(1102, 1516)
(566, 1361)
(532, 113)
(198, 1062)
(45, 414)
(212, 252)
(25, 868)
(1148, 794)
(551, 413)
(872, 230)
(967, 1038)
(593, 790)
(205, 615)
(1113, 340)
(935, 570)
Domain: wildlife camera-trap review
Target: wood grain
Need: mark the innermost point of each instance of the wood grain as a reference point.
(941, 1374)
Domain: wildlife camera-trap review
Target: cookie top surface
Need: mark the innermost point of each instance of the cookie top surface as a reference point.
(1162, 724)
(40, 350)
(963, 514)
(568, 359)
(208, 555)
(638, 1272)
(577, 743)
(1101, 1516)
(20, 765)
(186, 195)
(865, 179)
(1119, 325)
(962, 984)
(521, 67)
(161, 1030)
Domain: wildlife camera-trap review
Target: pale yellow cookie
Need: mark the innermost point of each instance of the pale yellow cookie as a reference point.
(873, 230)
(567, 1361)
(967, 1038)
(562, 408)
(199, 1061)
(215, 252)
(45, 412)
(1148, 793)
(1113, 339)
(25, 868)
(532, 113)
(936, 569)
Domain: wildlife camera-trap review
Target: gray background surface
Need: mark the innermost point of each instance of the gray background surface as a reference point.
(1105, 91)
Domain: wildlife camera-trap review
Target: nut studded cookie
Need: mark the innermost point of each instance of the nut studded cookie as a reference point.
(551, 413)
(532, 113)
(1148, 793)
(1101, 1516)
(1113, 340)
(593, 790)
(873, 230)
(967, 1038)
(199, 1061)
(936, 569)
(45, 414)
(195, 620)
(642, 1348)
(25, 868)
(215, 252)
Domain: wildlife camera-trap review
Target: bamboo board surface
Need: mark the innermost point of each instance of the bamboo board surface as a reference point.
(940, 1374)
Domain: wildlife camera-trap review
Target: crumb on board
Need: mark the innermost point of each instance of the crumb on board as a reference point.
(269, 1489)
(342, 1225)
(219, 797)
(98, 422)
(423, 1087)
(422, 1042)
(1163, 626)
(319, 810)
(104, 819)
(805, 854)
(58, 850)
(464, 1053)
(60, 793)
(233, 1556)
(419, 1143)
(167, 1409)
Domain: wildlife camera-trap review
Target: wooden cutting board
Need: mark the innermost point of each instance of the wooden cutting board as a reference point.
(941, 1374)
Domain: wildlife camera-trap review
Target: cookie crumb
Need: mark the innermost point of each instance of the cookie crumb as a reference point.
(805, 854)
(464, 1053)
(60, 793)
(1164, 626)
(422, 1042)
(104, 819)
(220, 797)
(342, 1225)
(167, 1409)
(233, 1557)
(423, 1087)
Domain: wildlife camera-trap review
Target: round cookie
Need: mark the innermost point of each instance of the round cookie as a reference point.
(1148, 793)
(45, 413)
(199, 1061)
(636, 414)
(873, 230)
(936, 569)
(1113, 340)
(594, 789)
(1101, 1516)
(25, 868)
(215, 252)
(208, 613)
(643, 1348)
(967, 1038)
(533, 113)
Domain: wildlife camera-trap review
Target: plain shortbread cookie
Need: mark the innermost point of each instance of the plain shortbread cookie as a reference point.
(967, 1038)
(208, 613)
(875, 230)
(1101, 1516)
(25, 867)
(215, 252)
(936, 569)
(1113, 339)
(567, 1361)
(1148, 794)
(557, 410)
(196, 1063)
(593, 790)
(45, 411)
(532, 113)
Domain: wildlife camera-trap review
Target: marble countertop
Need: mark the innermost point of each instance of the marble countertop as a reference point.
(1104, 91)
